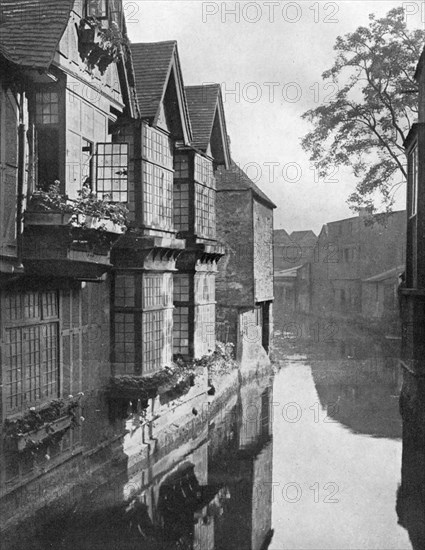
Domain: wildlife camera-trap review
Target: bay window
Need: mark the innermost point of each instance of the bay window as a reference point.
(205, 222)
(142, 322)
(158, 196)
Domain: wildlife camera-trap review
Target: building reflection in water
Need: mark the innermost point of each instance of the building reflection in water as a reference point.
(211, 492)
(357, 377)
(240, 458)
(411, 493)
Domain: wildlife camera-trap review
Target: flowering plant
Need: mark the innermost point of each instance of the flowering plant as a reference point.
(87, 204)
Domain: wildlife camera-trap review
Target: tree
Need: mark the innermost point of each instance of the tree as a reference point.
(365, 123)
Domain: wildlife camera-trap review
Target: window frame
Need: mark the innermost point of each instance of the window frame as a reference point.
(25, 323)
(53, 129)
(88, 13)
(102, 193)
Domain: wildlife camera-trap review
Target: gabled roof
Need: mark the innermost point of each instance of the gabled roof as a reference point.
(235, 179)
(154, 63)
(281, 236)
(298, 236)
(208, 122)
(30, 30)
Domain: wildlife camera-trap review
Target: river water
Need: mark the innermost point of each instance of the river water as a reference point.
(337, 439)
(306, 455)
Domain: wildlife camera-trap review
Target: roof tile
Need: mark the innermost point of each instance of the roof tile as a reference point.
(30, 30)
(152, 62)
(202, 103)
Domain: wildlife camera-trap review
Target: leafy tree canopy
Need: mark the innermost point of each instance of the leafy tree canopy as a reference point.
(365, 123)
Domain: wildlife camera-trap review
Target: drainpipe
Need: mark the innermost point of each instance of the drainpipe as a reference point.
(21, 173)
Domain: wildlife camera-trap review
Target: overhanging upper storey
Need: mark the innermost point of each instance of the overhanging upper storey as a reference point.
(208, 122)
(160, 89)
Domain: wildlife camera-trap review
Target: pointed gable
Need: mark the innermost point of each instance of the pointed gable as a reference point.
(160, 89)
(235, 179)
(208, 121)
(281, 236)
(30, 30)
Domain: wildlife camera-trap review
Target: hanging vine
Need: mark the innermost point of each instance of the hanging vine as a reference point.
(100, 47)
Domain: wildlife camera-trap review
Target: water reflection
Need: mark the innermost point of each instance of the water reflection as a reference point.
(356, 374)
(244, 467)
(337, 439)
(411, 493)
(208, 491)
(228, 483)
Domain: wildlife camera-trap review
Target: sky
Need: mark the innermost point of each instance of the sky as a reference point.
(268, 57)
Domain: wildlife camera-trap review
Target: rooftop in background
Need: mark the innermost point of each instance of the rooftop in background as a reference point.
(298, 236)
(235, 179)
(281, 236)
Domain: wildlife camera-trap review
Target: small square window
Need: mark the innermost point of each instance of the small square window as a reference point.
(97, 8)
(46, 107)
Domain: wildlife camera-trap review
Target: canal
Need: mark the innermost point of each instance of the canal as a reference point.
(304, 455)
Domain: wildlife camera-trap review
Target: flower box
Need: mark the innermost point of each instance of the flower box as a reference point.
(73, 220)
(68, 245)
(47, 218)
(36, 437)
(103, 224)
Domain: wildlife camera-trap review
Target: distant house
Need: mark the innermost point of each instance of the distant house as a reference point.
(293, 255)
(380, 293)
(245, 276)
(305, 239)
(294, 249)
(349, 253)
(292, 289)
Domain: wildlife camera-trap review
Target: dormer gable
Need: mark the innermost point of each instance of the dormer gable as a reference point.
(208, 122)
(160, 88)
